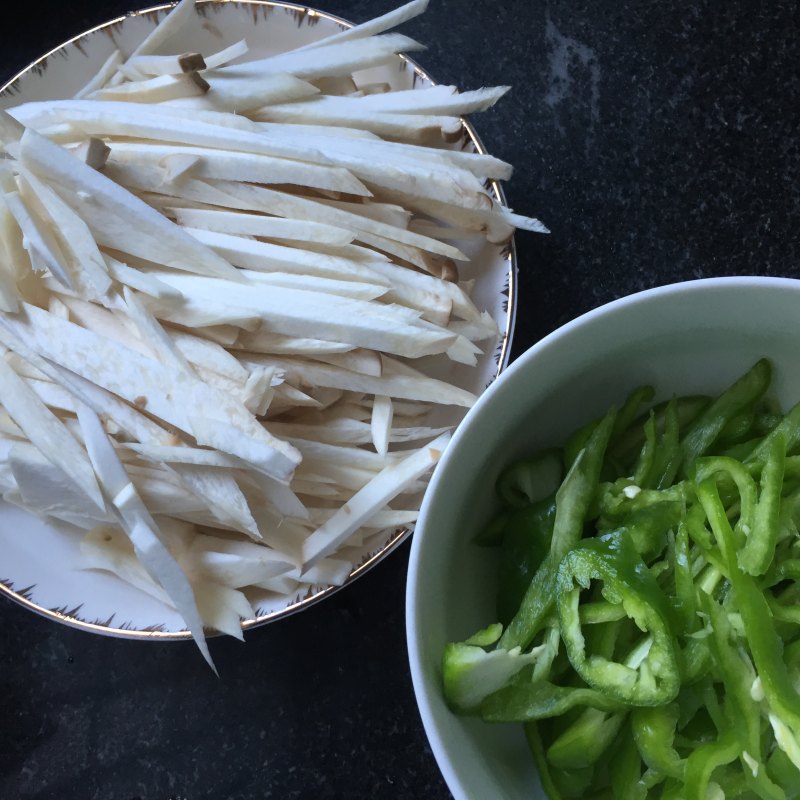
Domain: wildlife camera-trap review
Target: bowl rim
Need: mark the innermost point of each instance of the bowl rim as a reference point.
(71, 617)
(424, 692)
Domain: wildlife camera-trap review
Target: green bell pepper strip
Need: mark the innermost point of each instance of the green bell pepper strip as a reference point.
(789, 427)
(573, 499)
(715, 466)
(712, 705)
(792, 573)
(492, 534)
(530, 480)
(549, 652)
(673, 790)
(791, 467)
(534, 740)
(788, 594)
(622, 424)
(654, 733)
(603, 640)
(558, 784)
(742, 713)
(712, 580)
(648, 516)
(599, 612)
(690, 701)
(485, 637)
(526, 542)
(765, 421)
(698, 532)
(649, 526)
(626, 771)
(759, 548)
(764, 643)
(620, 504)
(655, 679)
(627, 445)
(578, 441)
(769, 406)
(668, 455)
(789, 614)
(684, 580)
(741, 395)
(787, 600)
(630, 408)
(695, 661)
(736, 428)
(704, 760)
(572, 783)
(583, 742)
(650, 779)
(741, 451)
(645, 463)
(526, 700)
(659, 569)
(781, 770)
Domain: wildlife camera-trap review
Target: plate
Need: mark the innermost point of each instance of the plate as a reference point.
(38, 567)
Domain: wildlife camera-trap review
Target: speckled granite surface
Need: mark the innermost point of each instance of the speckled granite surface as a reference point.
(659, 141)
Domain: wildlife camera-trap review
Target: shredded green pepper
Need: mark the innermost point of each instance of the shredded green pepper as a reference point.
(572, 503)
(743, 394)
(651, 678)
(584, 742)
(759, 549)
(659, 590)
(526, 539)
(525, 700)
(654, 733)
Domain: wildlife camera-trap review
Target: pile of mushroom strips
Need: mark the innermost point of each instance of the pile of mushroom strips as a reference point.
(215, 279)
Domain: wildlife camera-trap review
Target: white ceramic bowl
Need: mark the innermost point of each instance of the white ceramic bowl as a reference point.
(694, 337)
(101, 602)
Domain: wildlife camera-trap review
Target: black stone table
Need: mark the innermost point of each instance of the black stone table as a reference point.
(659, 141)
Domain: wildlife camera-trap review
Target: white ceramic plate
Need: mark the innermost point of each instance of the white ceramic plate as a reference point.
(37, 561)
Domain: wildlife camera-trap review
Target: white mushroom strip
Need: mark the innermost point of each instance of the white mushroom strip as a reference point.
(140, 527)
(415, 128)
(46, 432)
(262, 341)
(227, 54)
(145, 65)
(381, 425)
(265, 227)
(294, 312)
(84, 262)
(259, 256)
(168, 395)
(243, 93)
(95, 197)
(154, 90)
(377, 25)
(129, 159)
(405, 387)
(163, 124)
(102, 76)
(391, 481)
(348, 431)
(338, 58)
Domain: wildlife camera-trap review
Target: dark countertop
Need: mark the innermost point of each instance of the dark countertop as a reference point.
(659, 141)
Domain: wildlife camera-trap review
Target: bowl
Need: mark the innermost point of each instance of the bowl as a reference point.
(101, 602)
(694, 337)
